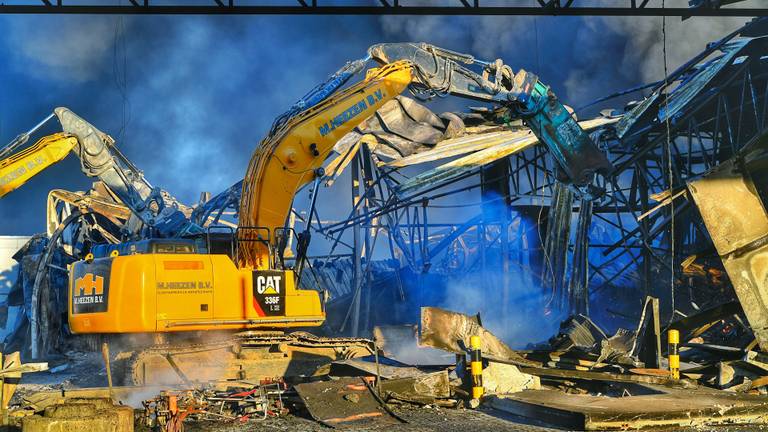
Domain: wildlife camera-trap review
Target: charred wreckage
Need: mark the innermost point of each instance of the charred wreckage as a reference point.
(643, 231)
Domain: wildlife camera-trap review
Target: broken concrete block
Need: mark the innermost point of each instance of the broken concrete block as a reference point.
(38, 423)
(499, 378)
(70, 410)
(82, 415)
(423, 389)
(123, 413)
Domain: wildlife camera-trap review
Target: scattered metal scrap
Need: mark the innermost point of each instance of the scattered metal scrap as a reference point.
(168, 411)
(582, 388)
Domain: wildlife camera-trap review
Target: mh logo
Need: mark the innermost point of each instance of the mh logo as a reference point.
(89, 284)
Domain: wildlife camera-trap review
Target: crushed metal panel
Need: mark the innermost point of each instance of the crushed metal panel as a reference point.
(401, 343)
(459, 146)
(450, 331)
(424, 388)
(730, 207)
(682, 95)
(630, 118)
(458, 167)
(733, 212)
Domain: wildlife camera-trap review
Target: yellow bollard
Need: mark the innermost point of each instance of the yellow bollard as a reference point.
(673, 337)
(476, 367)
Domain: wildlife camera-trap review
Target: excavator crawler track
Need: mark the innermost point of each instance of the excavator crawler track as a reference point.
(248, 356)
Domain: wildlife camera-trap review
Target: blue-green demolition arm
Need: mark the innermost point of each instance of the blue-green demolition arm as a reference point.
(437, 72)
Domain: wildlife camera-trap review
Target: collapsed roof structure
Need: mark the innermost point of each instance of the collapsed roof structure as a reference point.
(633, 230)
(670, 243)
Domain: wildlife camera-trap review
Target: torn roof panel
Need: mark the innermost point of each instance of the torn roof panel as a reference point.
(693, 86)
(680, 97)
(454, 169)
(459, 146)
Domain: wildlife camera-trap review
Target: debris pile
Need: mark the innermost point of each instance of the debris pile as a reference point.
(582, 378)
(169, 410)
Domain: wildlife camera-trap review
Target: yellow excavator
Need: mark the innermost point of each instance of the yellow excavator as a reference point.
(19, 167)
(165, 286)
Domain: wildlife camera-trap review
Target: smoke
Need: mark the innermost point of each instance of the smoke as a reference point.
(583, 58)
(64, 51)
(190, 97)
(685, 39)
(518, 321)
(187, 98)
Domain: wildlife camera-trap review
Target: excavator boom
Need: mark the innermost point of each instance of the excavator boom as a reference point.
(98, 158)
(298, 144)
(171, 286)
(22, 166)
(289, 158)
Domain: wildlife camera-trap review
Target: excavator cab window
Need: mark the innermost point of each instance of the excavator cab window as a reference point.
(174, 248)
(218, 240)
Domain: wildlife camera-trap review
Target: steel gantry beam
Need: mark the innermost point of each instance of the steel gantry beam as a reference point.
(380, 7)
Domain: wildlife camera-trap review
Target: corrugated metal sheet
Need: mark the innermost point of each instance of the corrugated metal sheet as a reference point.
(681, 96)
(460, 146)
(687, 91)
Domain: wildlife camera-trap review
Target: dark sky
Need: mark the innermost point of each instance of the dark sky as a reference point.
(188, 98)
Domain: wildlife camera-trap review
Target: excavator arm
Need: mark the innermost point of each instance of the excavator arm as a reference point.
(293, 152)
(439, 72)
(296, 148)
(19, 168)
(98, 158)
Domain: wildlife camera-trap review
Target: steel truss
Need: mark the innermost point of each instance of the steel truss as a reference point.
(618, 244)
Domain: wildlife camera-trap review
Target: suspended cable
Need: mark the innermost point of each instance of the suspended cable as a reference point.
(669, 163)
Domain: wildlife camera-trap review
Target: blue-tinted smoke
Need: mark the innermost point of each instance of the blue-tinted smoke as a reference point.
(189, 97)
